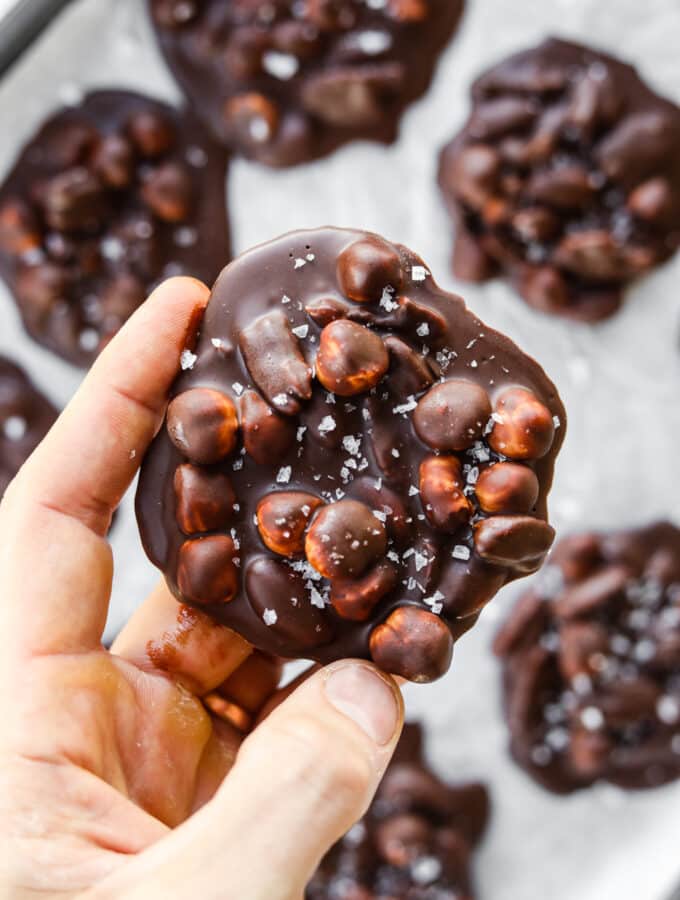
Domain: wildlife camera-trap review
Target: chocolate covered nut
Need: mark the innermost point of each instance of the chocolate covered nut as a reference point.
(522, 426)
(586, 694)
(351, 359)
(206, 571)
(513, 540)
(344, 539)
(572, 190)
(25, 418)
(272, 355)
(267, 436)
(108, 198)
(205, 500)
(441, 492)
(412, 643)
(348, 525)
(416, 839)
(367, 268)
(507, 488)
(452, 415)
(282, 518)
(202, 424)
(290, 82)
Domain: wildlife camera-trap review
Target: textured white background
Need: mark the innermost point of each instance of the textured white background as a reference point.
(619, 382)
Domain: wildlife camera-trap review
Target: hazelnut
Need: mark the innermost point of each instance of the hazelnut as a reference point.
(344, 539)
(167, 191)
(202, 424)
(75, 200)
(152, 133)
(452, 415)
(409, 373)
(351, 359)
(41, 287)
(206, 571)
(413, 643)
(282, 518)
(441, 492)
(407, 10)
(326, 310)
(516, 541)
(267, 436)
(593, 593)
(507, 488)
(114, 161)
(402, 839)
(253, 117)
(580, 645)
(355, 598)
(367, 267)
(18, 229)
(653, 201)
(523, 426)
(543, 287)
(472, 173)
(204, 500)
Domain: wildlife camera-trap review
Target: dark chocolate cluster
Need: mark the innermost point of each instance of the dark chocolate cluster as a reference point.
(415, 842)
(591, 658)
(352, 464)
(566, 178)
(284, 81)
(107, 199)
(25, 418)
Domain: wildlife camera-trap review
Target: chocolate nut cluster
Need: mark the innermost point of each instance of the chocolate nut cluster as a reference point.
(26, 416)
(415, 842)
(108, 198)
(566, 178)
(591, 660)
(352, 464)
(290, 80)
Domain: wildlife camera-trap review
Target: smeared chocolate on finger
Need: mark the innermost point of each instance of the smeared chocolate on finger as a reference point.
(416, 841)
(26, 416)
(352, 464)
(288, 81)
(107, 199)
(565, 178)
(591, 662)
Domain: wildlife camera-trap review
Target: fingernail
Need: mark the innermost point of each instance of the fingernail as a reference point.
(365, 697)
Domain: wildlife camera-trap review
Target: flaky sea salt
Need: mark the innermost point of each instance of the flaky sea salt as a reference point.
(187, 359)
(283, 475)
(269, 617)
(327, 424)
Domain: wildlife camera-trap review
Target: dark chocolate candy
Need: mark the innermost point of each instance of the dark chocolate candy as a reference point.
(566, 178)
(106, 200)
(344, 498)
(415, 842)
(591, 662)
(288, 81)
(25, 418)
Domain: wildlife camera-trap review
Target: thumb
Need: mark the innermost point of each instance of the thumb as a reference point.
(300, 781)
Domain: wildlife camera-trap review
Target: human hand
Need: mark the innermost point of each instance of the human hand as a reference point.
(119, 777)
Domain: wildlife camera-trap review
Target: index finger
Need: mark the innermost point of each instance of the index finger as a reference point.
(55, 565)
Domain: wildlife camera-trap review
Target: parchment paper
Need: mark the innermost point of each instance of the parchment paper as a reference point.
(618, 380)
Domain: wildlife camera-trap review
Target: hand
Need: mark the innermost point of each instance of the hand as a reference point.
(119, 778)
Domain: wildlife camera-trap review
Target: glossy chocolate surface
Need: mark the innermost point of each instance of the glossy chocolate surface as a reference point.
(565, 178)
(415, 842)
(288, 81)
(355, 527)
(591, 662)
(106, 200)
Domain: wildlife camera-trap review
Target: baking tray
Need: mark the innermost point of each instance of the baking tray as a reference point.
(619, 381)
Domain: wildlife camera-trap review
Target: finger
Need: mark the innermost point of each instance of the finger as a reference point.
(52, 556)
(299, 782)
(238, 699)
(187, 644)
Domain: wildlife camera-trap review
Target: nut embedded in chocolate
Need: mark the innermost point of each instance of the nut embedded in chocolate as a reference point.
(367, 503)
(206, 571)
(368, 268)
(523, 427)
(566, 178)
(589, 692)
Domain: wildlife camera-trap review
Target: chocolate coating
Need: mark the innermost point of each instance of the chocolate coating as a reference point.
(565, 178)
(354, 537)
(105, 200)
(415, 842)
(25, 418)
(286, 82)
(591, 662)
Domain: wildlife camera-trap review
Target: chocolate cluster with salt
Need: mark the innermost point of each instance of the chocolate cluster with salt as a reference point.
(565, 178)
(107, 199)
(591, 662)
(352, 464)
(417, 840)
